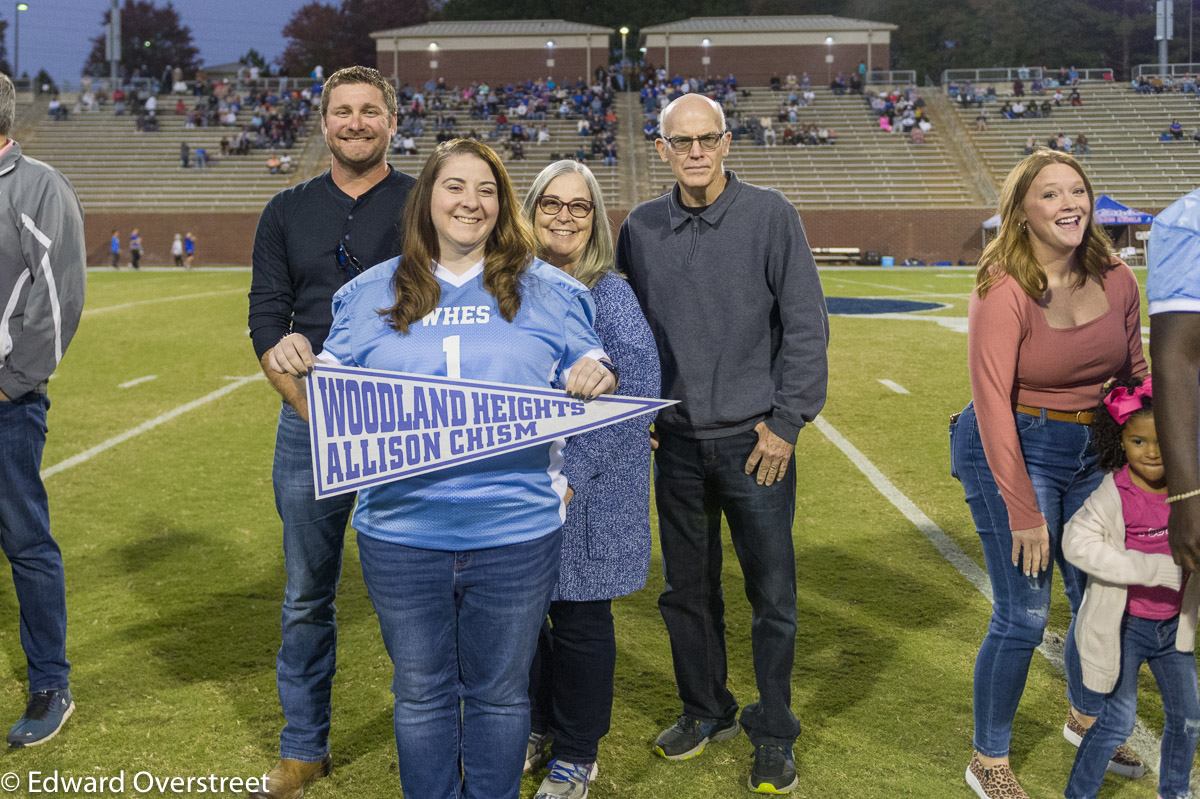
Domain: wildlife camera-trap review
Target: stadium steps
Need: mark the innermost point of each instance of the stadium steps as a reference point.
(115, 168)
(866, 168)
(1127, 161)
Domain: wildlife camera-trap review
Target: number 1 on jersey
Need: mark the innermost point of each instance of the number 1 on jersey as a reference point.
(450, 346)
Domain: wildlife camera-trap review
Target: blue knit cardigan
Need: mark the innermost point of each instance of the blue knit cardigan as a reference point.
(606, 538)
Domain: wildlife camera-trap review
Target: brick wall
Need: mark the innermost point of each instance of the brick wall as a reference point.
(460, 67)
(935, 234)
(753, 66)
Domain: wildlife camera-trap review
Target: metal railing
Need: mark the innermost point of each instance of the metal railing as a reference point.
(1048, 77)
(1174, 70)
(147, 86)
(892, 77)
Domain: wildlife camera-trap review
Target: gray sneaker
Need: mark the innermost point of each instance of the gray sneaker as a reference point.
(537, 750)
(689, 735)
(567, 780)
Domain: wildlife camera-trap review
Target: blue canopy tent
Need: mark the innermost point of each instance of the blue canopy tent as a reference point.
(1112, 214)
(1108, 212)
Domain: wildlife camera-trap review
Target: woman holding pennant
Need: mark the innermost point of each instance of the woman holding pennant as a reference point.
(460, 562)
(606, 536)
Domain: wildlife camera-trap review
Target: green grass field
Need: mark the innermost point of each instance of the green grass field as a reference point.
(175, 574)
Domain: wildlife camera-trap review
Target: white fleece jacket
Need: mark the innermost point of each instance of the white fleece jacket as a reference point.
(1094, 540)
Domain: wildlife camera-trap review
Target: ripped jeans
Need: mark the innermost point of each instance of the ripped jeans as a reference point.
(1062, 467)
(1149, 641)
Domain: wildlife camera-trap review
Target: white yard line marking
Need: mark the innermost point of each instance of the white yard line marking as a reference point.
(137, 380)
(146, 426)
(1144, 742)
(136, 303)
(899, 389)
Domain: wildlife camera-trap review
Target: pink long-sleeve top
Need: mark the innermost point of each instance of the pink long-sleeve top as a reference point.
(1016, 358)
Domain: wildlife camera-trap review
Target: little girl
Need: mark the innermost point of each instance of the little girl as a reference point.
(1135, 608)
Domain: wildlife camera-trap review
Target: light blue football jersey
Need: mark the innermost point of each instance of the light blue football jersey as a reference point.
(1173, 282)
(507, 499)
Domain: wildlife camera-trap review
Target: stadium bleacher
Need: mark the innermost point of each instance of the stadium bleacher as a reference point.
(867, 167)
(1128, 160)
(113, 167)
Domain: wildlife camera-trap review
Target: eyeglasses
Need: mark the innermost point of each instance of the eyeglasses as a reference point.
(683, 144)
(576, 208)
(346, 261)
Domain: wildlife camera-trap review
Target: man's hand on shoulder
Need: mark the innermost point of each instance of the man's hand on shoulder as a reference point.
(770, 456)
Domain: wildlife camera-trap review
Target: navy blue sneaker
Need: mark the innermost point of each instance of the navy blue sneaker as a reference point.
(774, 769)
(44, 717)
(689, 735)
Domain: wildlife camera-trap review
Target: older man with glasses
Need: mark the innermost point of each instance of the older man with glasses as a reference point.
(311, 239)
(726, 279)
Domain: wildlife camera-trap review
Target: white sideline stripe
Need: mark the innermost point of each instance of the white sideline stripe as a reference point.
(1143, 742)
(137, 380)
(899, 389)
(136, 303)
(146, 426)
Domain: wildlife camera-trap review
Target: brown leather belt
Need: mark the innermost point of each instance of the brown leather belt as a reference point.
(1079, 417)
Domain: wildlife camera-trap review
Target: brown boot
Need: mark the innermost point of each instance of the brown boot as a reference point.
(288, 778)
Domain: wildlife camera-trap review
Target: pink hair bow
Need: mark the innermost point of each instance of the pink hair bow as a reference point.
(1123, 403)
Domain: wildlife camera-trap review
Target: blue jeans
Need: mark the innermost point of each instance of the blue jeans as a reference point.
(696, 480)
(313, 533)
(571, 679)
(461, 629)
(1062, 467)
(36, 561)
(1145, 641)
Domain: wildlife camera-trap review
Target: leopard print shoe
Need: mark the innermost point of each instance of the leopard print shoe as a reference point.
(1123, 761)
(996, 782)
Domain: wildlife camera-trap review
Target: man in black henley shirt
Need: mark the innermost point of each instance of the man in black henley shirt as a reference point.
(311, 239)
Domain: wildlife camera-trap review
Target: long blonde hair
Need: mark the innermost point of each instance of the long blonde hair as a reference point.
(1011, 253)
(507, 254)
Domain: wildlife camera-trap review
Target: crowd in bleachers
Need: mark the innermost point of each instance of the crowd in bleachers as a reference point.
(506, 116)
(899, 110)
(1160, 84)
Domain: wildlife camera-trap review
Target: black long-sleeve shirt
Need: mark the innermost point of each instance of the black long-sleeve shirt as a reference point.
(295, 267)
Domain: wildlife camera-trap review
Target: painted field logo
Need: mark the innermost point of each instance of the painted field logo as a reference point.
(370, 427)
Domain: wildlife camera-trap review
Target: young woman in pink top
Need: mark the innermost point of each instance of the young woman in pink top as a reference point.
(1135, 609)
(1053, 317)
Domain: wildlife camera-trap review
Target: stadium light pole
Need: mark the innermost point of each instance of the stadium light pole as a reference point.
(828, 60)
(433, 64)
(624, 77)
(17, 38)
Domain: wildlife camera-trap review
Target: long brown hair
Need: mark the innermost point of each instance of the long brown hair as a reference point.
(1010, 253)
(507, 253)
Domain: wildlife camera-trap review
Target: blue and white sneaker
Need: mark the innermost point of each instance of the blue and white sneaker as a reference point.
(567, 780)
(44, 717)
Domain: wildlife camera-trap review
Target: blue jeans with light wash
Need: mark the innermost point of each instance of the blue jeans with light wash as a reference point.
(695, 482)
(461, 629)
(313, 533)
(1062, 467)
(37, 566)
(1149, 641)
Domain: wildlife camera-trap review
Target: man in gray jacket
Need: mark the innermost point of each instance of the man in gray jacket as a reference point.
(726, 279)
(42, 267)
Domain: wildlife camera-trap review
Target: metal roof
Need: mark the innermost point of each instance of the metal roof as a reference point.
(789, 24)
(499, 27)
